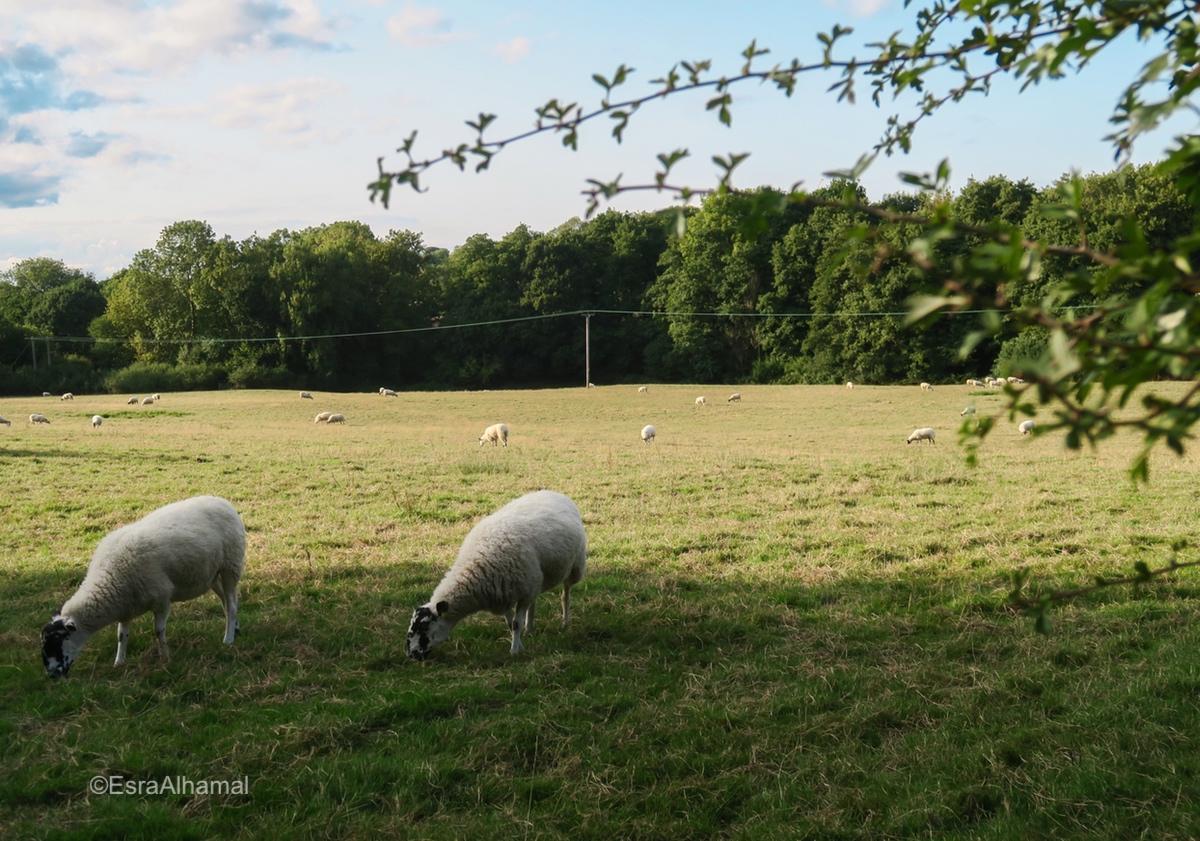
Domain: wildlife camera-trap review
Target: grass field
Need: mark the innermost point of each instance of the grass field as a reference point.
(793, 624)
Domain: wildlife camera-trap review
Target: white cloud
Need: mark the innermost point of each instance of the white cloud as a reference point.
(859, 8)
(515, 50)
(288, 110)
(422, 26)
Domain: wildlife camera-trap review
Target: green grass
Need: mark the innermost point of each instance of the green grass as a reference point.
(793, 625)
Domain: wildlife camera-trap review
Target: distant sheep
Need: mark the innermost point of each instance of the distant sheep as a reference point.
(156, 397)
(700, 401)
(849, 384)
(736, 397)
(970, 410)
(176, 553)
(5, 421)
(304, 395)
(147, 401)
(132, 401)
(387, 392)
(323, 417)
(497, 433)
(336, 418)
(96, 421)
(531, 545)
(976, 383)
(1025, 427)
(591, 385)
(926, 387)
(925, 433)
(648, 433)
(643, 390)
(38, 419)
(47, 394)
(67, 396)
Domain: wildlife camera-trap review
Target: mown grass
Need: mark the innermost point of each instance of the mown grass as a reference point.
(793, 626)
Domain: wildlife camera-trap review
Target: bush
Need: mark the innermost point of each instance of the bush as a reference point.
(68, 373)
(158, 376)
(1026, 347)
(250, 375)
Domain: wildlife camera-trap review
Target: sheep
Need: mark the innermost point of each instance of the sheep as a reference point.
(700, 401)
(156, 397)
(970, 410)
(925, 433)
(35, 418)
(387, 392)
(926, 387)
(976, 383)
(46, 394)
(1025, 427)
(591, 385)
(96, 421)
(643, 390)
(5, 421)
(849, 385)
(648, 433)
(497, 433)
(529, 546)
(336, 419)
(323, 417)
(147, 401)
(736, 397)
(67, 396)
(175, 553)
(132, 401)
(304, 395)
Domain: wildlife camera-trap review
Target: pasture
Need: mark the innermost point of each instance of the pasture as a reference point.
(793, 625)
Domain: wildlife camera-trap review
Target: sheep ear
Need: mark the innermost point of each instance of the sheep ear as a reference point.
(441, 607)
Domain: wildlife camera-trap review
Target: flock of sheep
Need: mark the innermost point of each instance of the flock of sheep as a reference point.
(928, 433)
(185, 549)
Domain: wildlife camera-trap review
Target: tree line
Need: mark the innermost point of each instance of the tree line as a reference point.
(807, 293)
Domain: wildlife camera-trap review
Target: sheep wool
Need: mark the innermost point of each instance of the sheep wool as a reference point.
(1025, 427)
(96, 421)
(176, 553)
(648, 433)
(531, 545)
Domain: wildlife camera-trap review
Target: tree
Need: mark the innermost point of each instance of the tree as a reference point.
(1117, 317)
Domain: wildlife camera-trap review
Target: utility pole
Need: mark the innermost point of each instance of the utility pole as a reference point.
(587, 349)
(33, 350)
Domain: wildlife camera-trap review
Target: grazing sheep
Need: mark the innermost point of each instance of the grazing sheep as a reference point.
(173, 554)
(529, 546)
(67, 396)
(497, 433)
(736, 397)
(147, 401)
(643, 390)
(96, 421)
(591, 385)
(39, 419)
(46, 394)
(156, 397)
(849, 384)
(925, 433)
(926, 387)
(976, 383)
(323, 417)
(304, 395)
(336, 419)
(5, 421)
(132, 401)
(387, 392)
(970, 410)
(648, 433)
(700, 401)
(1025, 427)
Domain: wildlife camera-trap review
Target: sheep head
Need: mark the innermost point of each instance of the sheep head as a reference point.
(429, 627)
(61, 642)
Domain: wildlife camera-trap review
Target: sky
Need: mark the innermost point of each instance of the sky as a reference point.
(121, 117)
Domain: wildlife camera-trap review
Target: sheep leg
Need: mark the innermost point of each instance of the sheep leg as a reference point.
(122, 642)
(566, 603)
(529, 611)
(160, 631)
(229, 601)
(515, 623)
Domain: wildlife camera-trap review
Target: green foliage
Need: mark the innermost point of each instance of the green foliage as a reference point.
(148, 377)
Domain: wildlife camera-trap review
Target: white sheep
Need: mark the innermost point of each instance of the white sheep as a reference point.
(700, 401)
(323, 417)
(925, 433)
(132, 401)
(46, 394)
(35, 418)
(849, 385)
(96, 421)
(497, 433)
(736, 397)
(147, 401)
(156, 397)
(176, 553)
(529, 546)
(648, 433)
(5, 421)
(335, 418)
(591, 385)
(976, 383)
(1025, 427)
(67, 396)
(304, 395)
(970, 410)
(387, 392)
(926, 387)
(643, 390)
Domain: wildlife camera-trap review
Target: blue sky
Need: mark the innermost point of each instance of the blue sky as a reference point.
(120, 117)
